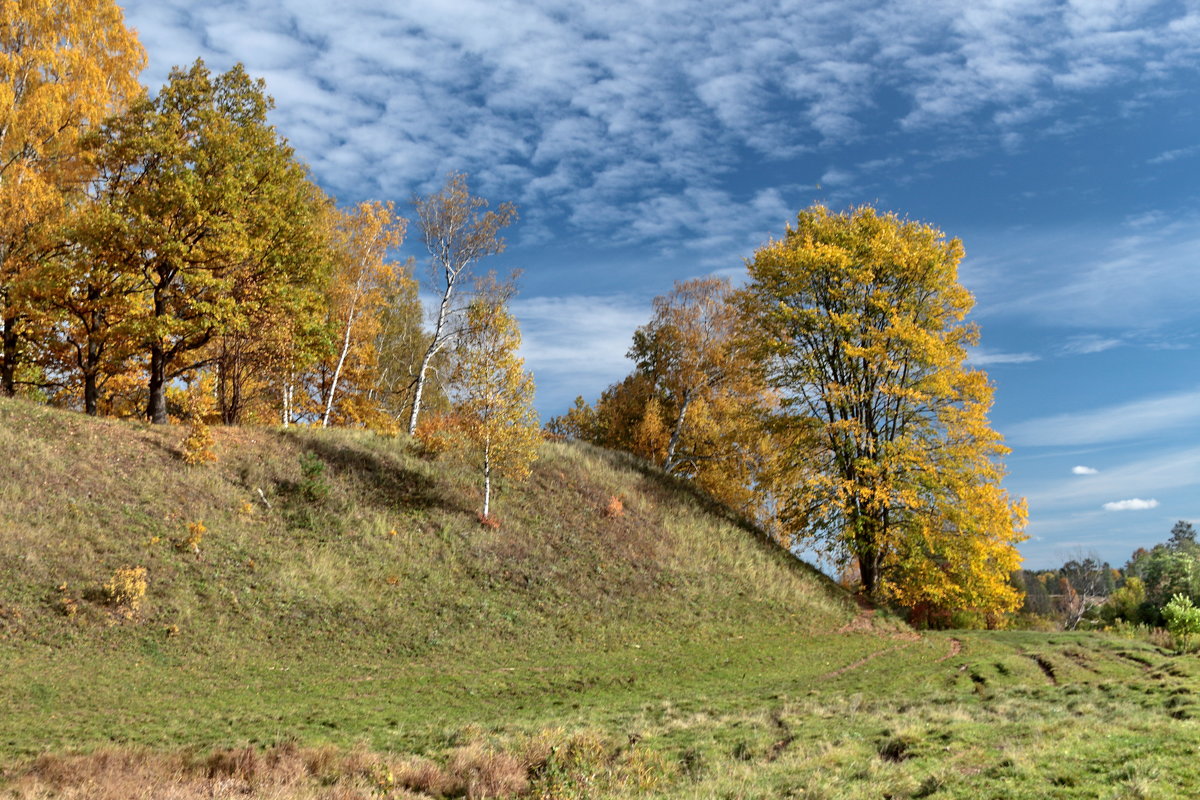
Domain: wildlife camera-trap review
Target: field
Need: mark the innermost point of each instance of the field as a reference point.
(340, 626)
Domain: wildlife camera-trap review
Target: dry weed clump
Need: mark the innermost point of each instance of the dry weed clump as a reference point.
(126, 590)
(490, 521)
(551, 764)
(195, 535)
(67, 604)
(615, 508)
(484, 772)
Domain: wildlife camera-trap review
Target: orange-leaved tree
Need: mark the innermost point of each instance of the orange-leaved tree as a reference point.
(493, 393)
(858, 319)
(64, 66)
(364, 279)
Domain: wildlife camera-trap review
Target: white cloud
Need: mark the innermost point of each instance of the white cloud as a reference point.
(980, 357)
(1081, 470)
(1140, 419)
(1168, 156)
(1156, 473)
(1133, 504)
(1088, 344)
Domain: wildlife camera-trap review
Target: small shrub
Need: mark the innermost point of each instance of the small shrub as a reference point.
(126, 590)
(67, 604)
(313, 486)
(195, 535)
(615, 508)
(1183, 622)
(197, 445)
(488, 520)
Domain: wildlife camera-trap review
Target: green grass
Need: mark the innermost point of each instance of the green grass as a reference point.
(668, 652)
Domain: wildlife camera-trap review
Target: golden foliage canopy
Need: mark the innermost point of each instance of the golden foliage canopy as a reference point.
(886, 455)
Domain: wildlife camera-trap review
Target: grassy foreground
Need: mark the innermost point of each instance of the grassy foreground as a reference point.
(342, 627)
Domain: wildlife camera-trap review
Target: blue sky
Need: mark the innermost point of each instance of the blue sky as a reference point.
(646, 142)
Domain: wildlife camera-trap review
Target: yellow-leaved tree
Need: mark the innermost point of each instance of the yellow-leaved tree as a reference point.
(886, 458)
(65, 65)
(493, 392)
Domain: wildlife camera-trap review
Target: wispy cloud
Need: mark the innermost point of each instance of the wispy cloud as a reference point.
(1088, 344)
(1167, 156)
(980, 357)
(1137, 420)
(1081, 470)
(1133, 504)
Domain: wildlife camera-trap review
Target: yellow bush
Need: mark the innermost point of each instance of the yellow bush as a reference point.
(195, 535)
(126, 590)
(197, 446)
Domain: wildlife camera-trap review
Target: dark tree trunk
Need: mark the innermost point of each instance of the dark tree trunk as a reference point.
(156, 410)
(8, 361)
(91, 393)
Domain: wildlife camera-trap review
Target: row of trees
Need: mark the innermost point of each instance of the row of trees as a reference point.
(830, 398)
(157, 248)
(1087, 591)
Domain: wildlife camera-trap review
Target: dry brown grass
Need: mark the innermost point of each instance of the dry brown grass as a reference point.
(285, 772)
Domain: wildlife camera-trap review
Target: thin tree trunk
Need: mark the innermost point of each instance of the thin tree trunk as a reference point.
(337, 372)
(487, 477)
(434, 346)
(669, 461)
(287, 401)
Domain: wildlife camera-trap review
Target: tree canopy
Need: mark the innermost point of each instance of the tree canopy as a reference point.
(858, 321)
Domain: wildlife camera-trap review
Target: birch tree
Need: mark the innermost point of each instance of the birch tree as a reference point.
(494, 394)
(361, 282)
(457, 232)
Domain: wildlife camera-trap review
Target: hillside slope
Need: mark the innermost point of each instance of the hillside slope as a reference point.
(324, 549)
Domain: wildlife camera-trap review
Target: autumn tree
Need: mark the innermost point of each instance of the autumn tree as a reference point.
(202, 190)
(364, 280)
(493, 393)
(702, 421)
(457, 232)
(400, 345)
(859, 324)
(693, 402)
(64, 66)
(93, 300)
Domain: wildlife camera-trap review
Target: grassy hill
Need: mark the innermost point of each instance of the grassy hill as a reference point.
(343, 627)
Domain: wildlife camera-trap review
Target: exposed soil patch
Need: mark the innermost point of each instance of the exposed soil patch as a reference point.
(955, 649)
(1046, 667)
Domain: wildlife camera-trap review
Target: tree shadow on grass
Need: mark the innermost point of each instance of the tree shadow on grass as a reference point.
(381, 481)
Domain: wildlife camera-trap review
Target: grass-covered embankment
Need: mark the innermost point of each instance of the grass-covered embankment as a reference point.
(353, 632)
